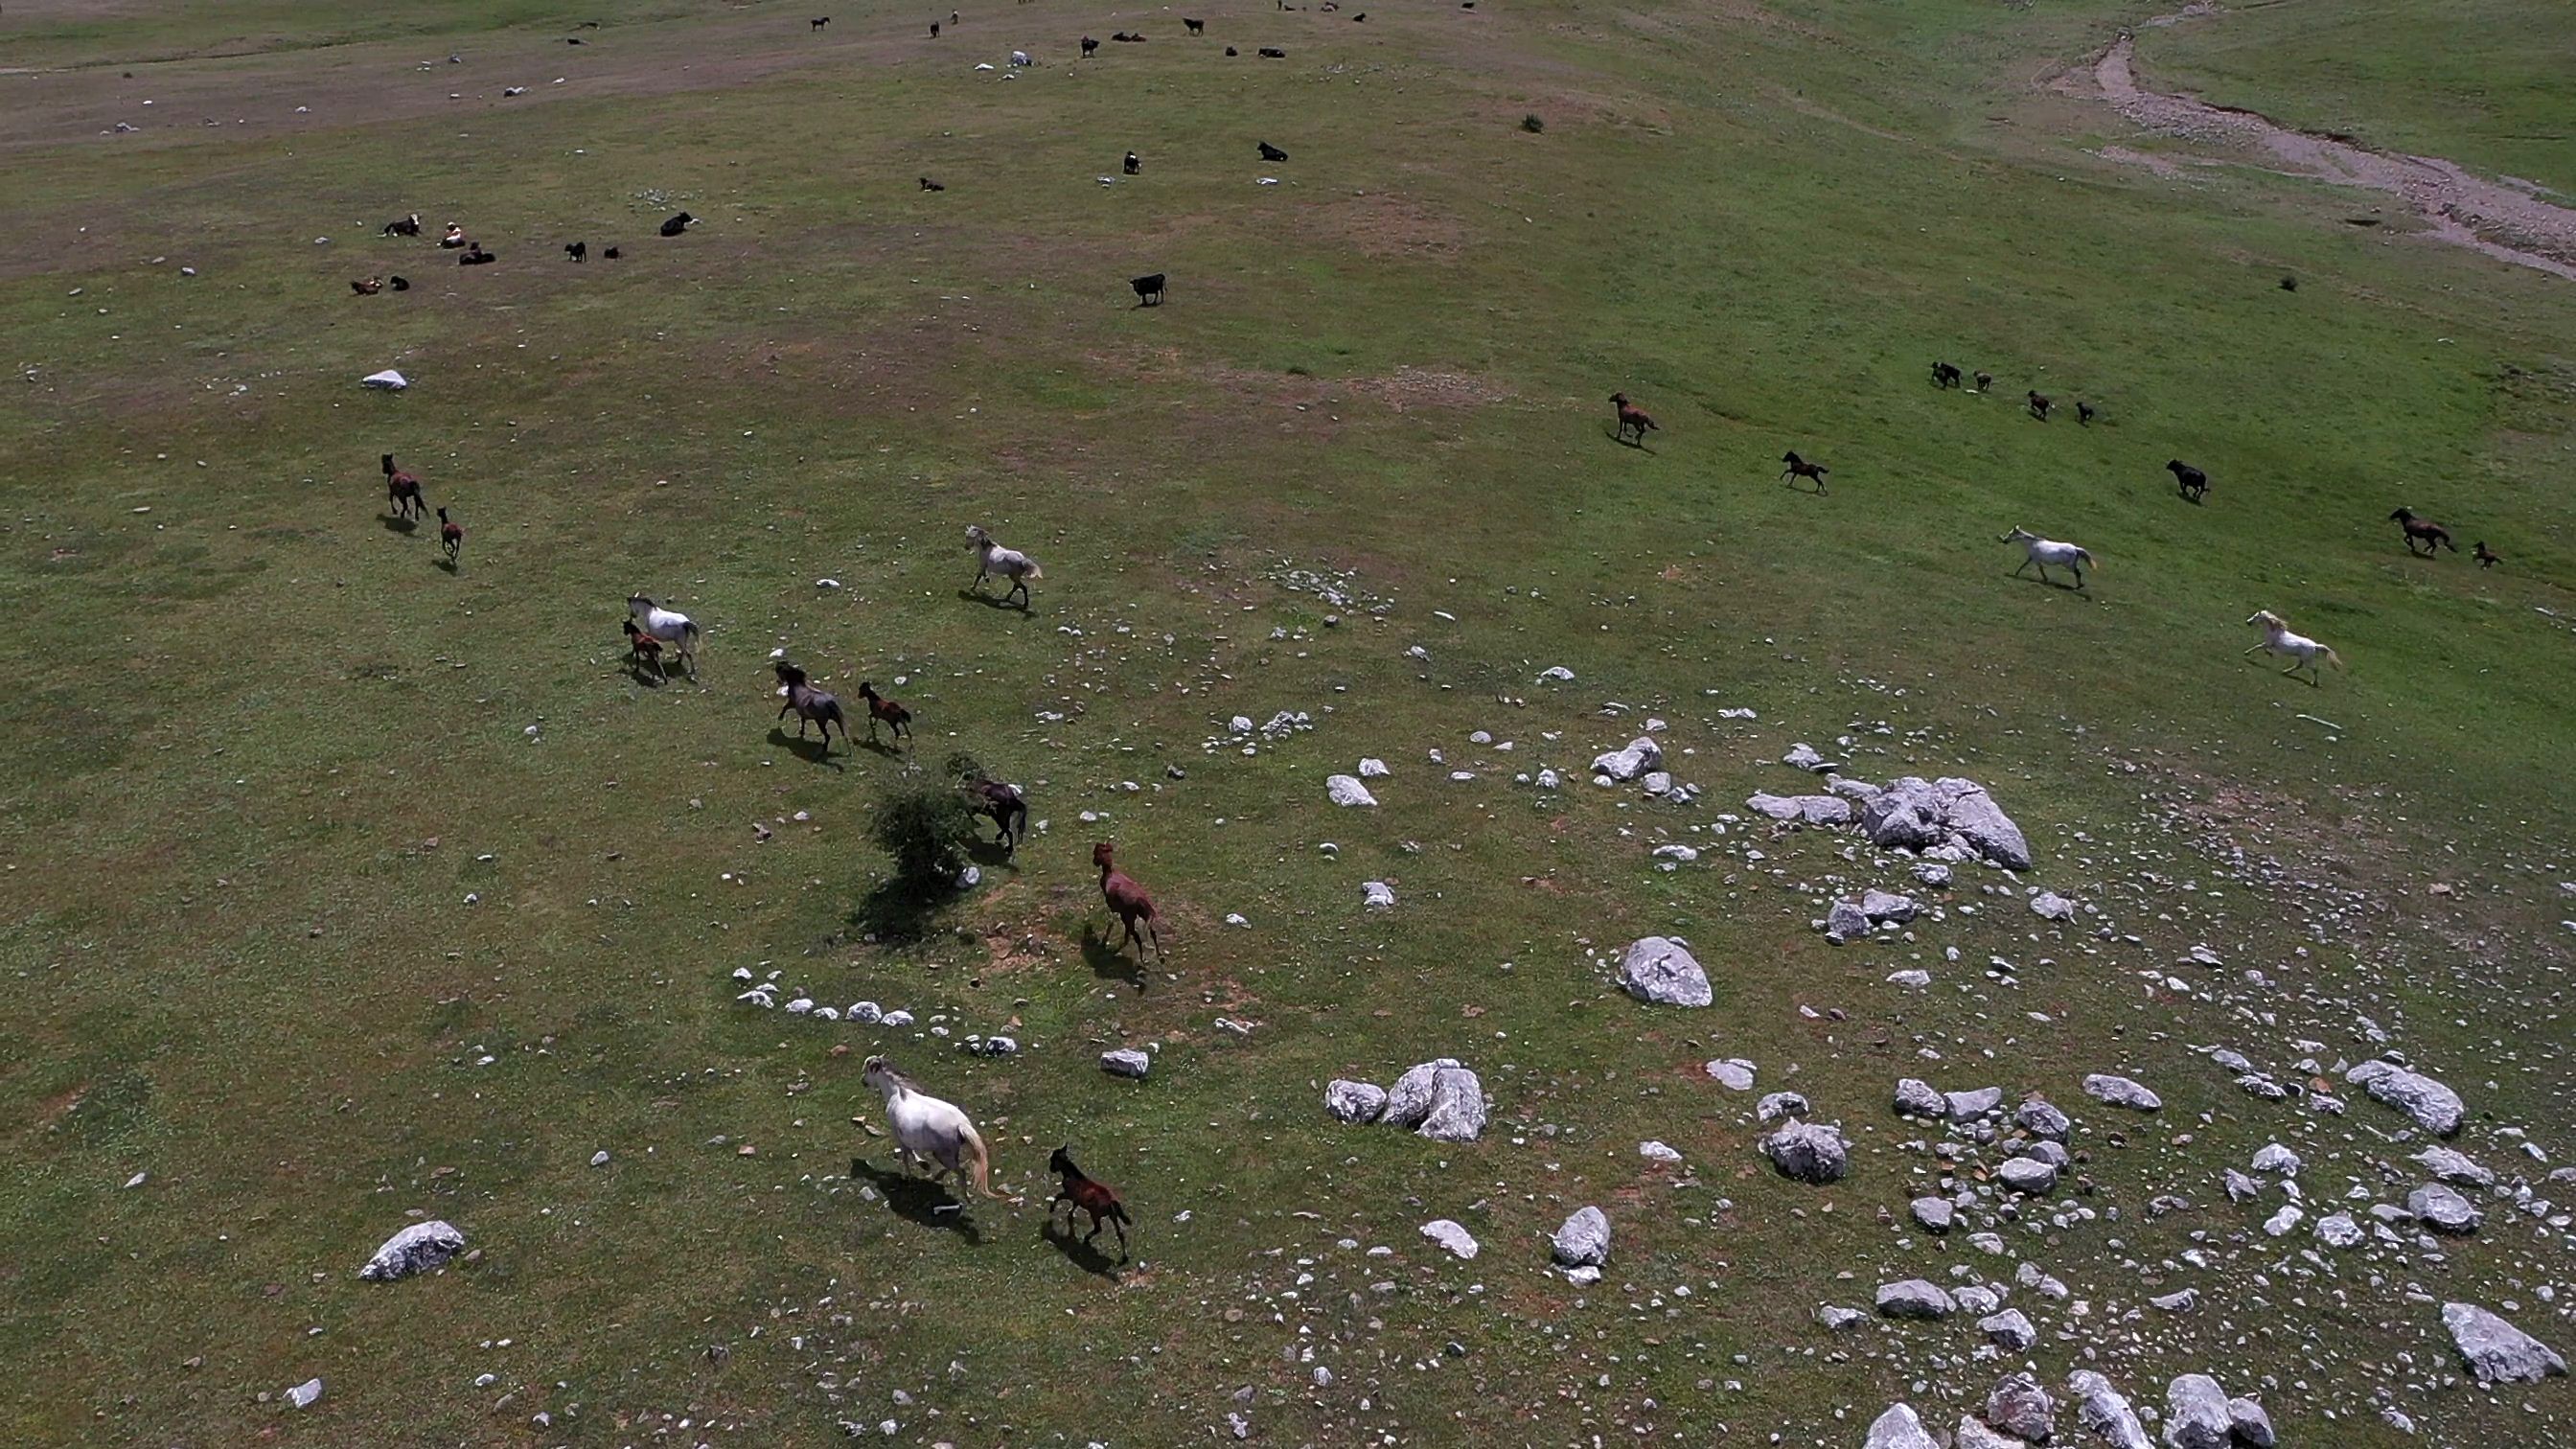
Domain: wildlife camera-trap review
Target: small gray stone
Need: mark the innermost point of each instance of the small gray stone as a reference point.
(2454, 1168)
(1346, 790)
(2121, 1092)
(1584, 1239)
(1839, 1320)
(1809, 1152)
(2435, 1107)
(1932, 873)
(2105, 1410)
(1351, 1101)
(2027, 1175)
(1973, 1434)
(1899, 1428)
(2496, 1351)
(1804, 757)
(2278, 1160)
(2186, 1300)
(2050, 906)
(1845, 922)
(2338, 1230)
(1888, 906)
(1128, 1062)
(1781, 1104)
(2196, 1414)
(1914, 1298)
(2443, 1210)
(2020, 1407)
(1934, 1213)
(306, 1394)
(1458, 1107)
(1969, 1106)
(1451, 1236)
(1641, 755)
(2009, 1329)
(1735, 1074)
(420, 1248)
(1916, 1098)
(2040, 1118)
(2247, 1421)
(1663, 972)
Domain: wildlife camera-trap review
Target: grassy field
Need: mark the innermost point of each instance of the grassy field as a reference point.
(342, 886)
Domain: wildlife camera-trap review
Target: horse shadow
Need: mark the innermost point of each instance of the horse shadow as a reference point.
(451, 566)
(2061, 587)
(886, 748)
(398, 523)
(991, 853)
(992, 600)
(918, 1199)
(1087, 1256)
(644, 675)
(806, 747)
(1623, 440)
(1111, 963)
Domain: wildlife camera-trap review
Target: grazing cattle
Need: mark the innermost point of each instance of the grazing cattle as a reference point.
(1149, 290)
(1088, 46)
(819, 21)
(2083, 413)
(1086, 1194)
(402, 491)
(929, 185)
(398, 284)
(2039, 406)
(927, 1129)
(1133, 164)
(2425, 531)
(475, 256)
(668, 625)
(2194, 483)
(677, 224)
(1944, 375)
(1270, 152)
(1272, 52)
(643, 649)
(1003, 804)
(2301, 651)
(1194, 27)
(898, 720)
(811, 705)
(991, 558)
(1800, 468)
(1632, 419)
(1127, 900)
(451, 538)
(2046, 551)
(408, 225)
(452, 238)
(367, 286)
(2487, 558)
(1985, 382)
(578, 251)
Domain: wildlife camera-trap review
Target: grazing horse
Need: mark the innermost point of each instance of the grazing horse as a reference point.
(451, 536)
(1945, 374)
(2487, 558)
(897, 718)
(643, 649)
(1085, 1193)
(1149, 290)
(578, 251)
(810, 704)
(669, 626)
(991, 558)
(1127, 901)
(819, 21)
(402, 491)
(2302, 651)
(927, 1129)
(1800, 468)
(1003, 804)
(2039, 406)
(2195, 483)
(2423, 530)
(1632, 418)
(1194, 27)
(2046, 551)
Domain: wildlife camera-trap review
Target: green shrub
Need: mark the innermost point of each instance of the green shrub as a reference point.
(924, 824)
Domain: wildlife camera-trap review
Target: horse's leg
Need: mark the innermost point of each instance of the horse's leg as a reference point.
(2250, 650)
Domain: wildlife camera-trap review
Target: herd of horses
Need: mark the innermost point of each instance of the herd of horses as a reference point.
(2423, 537)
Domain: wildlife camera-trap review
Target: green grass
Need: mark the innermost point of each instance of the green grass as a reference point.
(242, 967)
(2490, 84)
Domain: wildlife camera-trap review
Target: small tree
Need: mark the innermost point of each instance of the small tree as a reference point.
(925, 825)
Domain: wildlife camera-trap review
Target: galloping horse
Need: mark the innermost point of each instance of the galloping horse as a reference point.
(668, 625)
(928, 1129)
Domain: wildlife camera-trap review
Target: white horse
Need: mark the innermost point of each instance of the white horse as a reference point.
(2046, 551)
(991, 558)
(668, 625)
(928, 1129)
(2303, 652)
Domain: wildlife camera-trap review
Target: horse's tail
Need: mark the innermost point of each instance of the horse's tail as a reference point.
(2330, 656)
(689, 635)
(1034, 571)
(2087, 556)
(2446, 543)
(979, 1164)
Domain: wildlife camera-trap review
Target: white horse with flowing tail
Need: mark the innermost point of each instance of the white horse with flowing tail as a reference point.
(2046, 551)
(927, 1129)
(991, 558)
(668, 625)
(2302, 651)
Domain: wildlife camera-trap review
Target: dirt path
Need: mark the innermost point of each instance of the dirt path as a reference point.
(2504, 221)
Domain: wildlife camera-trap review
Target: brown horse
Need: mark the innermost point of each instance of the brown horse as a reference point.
(1632, 418)
(1127, 901)
(2424, 531)
(810, 704)
(1003, 804)
(402, 491)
